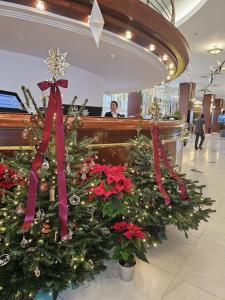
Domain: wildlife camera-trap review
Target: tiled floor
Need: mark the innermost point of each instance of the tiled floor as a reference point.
(180, 269)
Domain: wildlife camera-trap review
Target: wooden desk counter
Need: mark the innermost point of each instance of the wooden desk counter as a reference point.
(104, 131)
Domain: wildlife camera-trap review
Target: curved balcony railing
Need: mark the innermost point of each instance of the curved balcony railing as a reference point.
(166, 8)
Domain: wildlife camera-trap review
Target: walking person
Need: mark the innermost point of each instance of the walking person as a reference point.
(199, 132)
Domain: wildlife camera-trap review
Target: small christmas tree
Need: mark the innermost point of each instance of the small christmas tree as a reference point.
(154, 110)
(151, 211)
(40, 256)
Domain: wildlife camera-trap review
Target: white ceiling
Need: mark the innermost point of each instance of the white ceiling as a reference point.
(26, 31)
(203, 31)
(123, 65)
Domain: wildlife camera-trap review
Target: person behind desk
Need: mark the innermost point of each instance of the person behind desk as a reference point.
(113, 113)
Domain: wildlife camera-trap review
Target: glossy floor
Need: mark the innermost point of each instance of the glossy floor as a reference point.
(180, 269)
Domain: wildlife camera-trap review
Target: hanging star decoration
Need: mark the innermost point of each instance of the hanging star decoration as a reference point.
(56, 62)
(96, 23)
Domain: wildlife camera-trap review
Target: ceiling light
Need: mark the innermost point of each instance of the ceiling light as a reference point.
(168, 77)
(40, 5)
(152, 47)
(171, 72)
(128, 35)
(171, 66)
(215, 50)
(165, 57)
(88, 19)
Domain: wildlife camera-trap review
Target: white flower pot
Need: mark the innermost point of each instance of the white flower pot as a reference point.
(127, 273)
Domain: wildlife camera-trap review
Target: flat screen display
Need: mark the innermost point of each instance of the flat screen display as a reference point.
(10, 102)
(221, 118)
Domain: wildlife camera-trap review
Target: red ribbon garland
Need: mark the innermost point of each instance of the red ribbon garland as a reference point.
(54, 108)
(155, 131)
(159, 152)
(173, 174)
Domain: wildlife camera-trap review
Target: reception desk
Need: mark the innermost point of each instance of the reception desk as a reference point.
(110, 136)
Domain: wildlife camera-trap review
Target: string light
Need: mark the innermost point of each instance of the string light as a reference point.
(40, 5)
(152, 47)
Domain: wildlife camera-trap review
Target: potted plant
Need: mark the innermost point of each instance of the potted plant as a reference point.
(128, 239)
(113, 190)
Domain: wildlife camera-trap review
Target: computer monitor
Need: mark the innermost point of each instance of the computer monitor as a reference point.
(11, 102)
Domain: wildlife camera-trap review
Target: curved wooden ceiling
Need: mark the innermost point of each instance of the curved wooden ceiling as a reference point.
(146, 25)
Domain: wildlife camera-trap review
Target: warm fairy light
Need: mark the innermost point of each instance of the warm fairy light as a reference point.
(154, 244)
(171, 72)
(40, 5)
(165, 57)
(152, 47)
(128, 35)
(171, 66)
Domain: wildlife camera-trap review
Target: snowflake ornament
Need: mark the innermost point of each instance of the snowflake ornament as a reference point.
(85, 113)
(56, 62)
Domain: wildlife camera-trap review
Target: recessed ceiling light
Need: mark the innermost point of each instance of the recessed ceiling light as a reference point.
(88, 19)
(171, 66)
(128, 35)
(171, 72)
(215, 50)
(40, 5)
(165, 57)
(168, 77)
(152, 47)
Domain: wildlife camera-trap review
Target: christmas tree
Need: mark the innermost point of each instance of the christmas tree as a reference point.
(154, 110)
(152, 211)
(63, 244)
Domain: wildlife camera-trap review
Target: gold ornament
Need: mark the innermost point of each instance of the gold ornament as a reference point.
(56, 62)
(37, 272)
(24, 242)
(52, 195)
(25, 134)
(45, 228)
(20, 210)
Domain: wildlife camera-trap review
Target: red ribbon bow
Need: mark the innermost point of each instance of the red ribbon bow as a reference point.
(159, 153)
(54, 109)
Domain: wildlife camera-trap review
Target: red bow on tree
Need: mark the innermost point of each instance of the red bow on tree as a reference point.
(54, 110)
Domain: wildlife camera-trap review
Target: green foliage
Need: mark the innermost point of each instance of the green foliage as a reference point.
(61, 264)
(151, 212)
(177, 115)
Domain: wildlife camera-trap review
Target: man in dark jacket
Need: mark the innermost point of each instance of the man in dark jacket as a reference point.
(199, 132)
(113, 113)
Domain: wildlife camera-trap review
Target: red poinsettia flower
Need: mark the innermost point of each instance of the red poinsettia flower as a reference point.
(135, 231)
(99, 190)
(98, 169)
(131, 230)
(128, 235)
(119, 226)
(7, 177)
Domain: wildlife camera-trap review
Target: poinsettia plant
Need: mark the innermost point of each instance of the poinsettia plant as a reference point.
(113, 190)
(8, 177)
(128, 242)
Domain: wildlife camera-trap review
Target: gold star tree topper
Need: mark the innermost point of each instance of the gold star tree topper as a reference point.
(56, 62)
